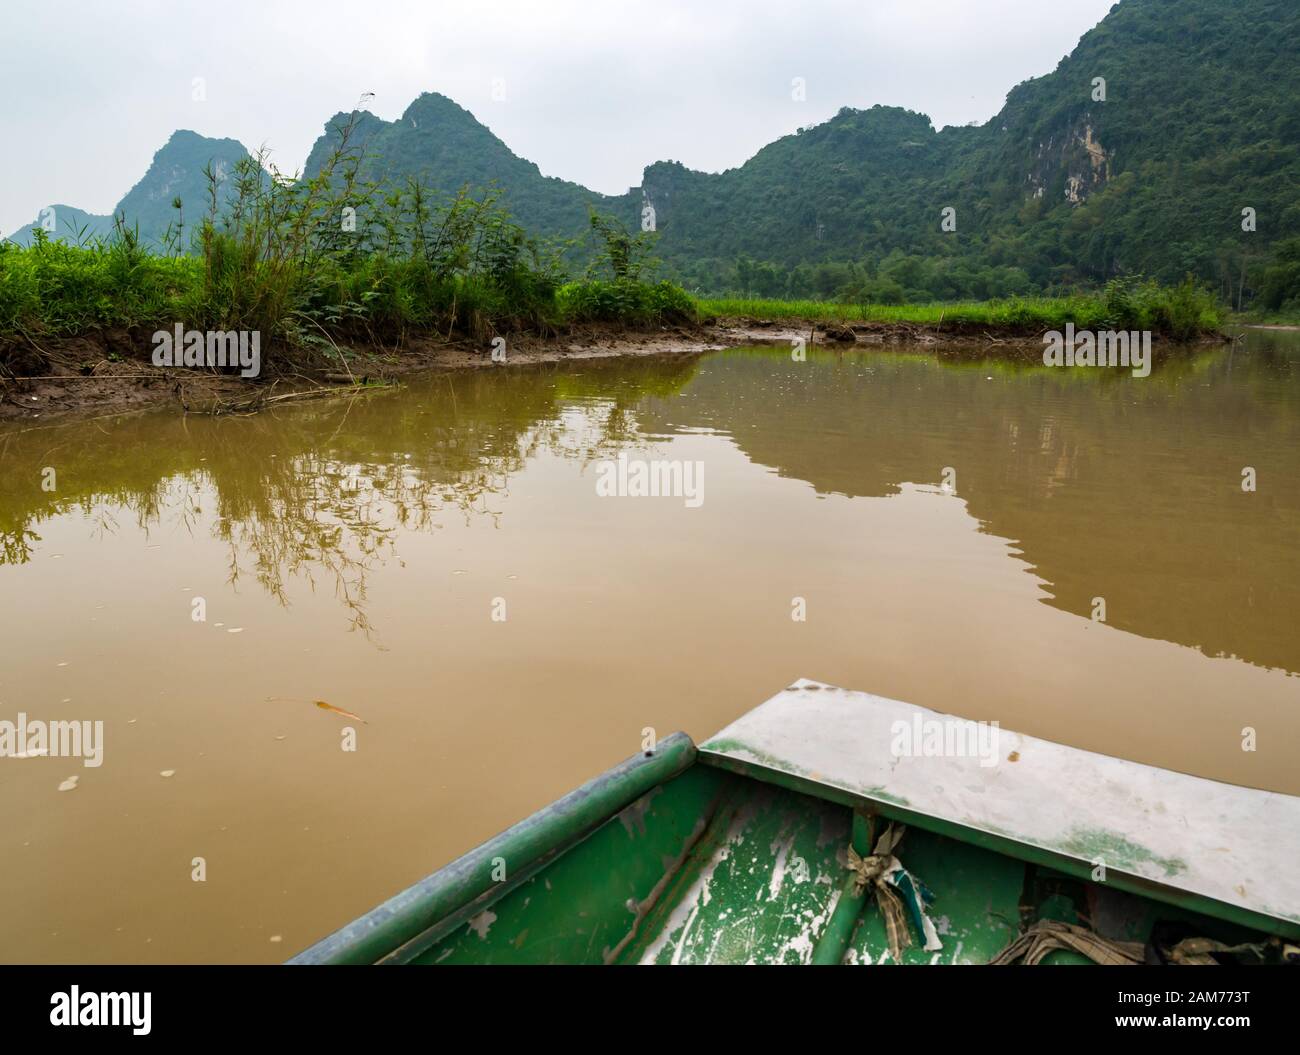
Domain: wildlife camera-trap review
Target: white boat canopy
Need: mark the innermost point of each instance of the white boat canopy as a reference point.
(1169, 835)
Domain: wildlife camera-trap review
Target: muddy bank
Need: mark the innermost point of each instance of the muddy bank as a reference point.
(111, 372)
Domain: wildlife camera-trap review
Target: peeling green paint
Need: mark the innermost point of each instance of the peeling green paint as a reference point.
(1115, 851)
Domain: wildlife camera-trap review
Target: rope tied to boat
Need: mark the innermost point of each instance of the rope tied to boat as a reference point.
(869, 870)
(1048, 935)
(898, 894)
(1197, 952)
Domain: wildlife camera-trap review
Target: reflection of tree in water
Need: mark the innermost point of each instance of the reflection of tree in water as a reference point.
(16, 543)
(321, 492)
(324, 519)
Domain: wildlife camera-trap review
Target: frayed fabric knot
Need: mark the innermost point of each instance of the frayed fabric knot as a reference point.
(899, 895)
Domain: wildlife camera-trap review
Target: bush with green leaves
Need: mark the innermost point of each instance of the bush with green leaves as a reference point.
(626, 301)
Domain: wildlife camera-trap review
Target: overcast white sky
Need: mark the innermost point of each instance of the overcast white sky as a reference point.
(595, 89)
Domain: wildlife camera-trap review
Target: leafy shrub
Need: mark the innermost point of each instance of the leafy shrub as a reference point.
(626, 301)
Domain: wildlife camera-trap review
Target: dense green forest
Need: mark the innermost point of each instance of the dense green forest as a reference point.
(1072, 183)
(1201, 119)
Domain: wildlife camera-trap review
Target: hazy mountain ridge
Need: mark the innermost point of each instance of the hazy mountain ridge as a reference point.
(177, 171)
(445, 147)
(65, 222)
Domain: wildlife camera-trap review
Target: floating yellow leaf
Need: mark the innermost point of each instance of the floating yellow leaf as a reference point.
(324, 706)
(339, 710)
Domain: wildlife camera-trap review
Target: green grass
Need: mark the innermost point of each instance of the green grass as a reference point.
(56, 289)
(1182, 311)
(65, 290)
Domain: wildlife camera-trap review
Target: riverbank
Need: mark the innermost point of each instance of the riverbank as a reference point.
(110, 371)
(418, 287)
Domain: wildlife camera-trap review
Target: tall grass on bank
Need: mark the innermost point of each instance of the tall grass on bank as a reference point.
(311, 262)
(1182, 311)
(56, 288)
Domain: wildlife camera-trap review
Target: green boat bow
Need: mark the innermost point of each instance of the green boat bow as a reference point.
(801, 834)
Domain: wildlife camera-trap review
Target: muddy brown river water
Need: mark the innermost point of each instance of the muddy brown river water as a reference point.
(439, 567)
